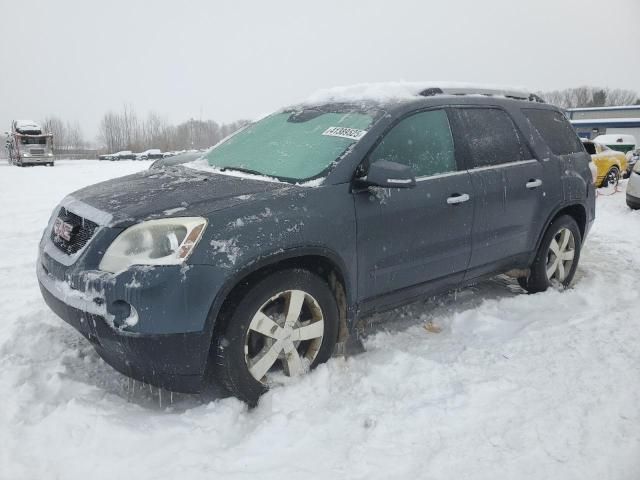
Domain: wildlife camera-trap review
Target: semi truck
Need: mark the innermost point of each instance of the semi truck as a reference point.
(26, 144)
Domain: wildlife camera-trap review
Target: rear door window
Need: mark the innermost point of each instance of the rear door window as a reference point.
(491, 136)
(555, 130)
(422, 141)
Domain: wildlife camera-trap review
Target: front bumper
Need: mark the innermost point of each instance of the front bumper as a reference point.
(171, 361)
(36, 160)
(167, 345)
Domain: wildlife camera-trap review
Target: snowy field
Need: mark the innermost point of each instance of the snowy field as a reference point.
(514, 386)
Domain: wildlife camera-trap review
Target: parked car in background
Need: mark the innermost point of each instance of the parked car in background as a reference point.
(151, 154)
(632, 158)
(610, 164)
(225, 272)
(124, 155)
(633, 188)
(26, 144)
(620, 142)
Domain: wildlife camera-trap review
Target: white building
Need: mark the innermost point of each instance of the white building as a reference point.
(593, 121)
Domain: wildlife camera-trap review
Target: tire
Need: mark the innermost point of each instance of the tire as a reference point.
(546, 258)
(612, 177)
(243, 360)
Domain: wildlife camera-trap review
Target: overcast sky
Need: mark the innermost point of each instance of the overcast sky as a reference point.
(227, 60)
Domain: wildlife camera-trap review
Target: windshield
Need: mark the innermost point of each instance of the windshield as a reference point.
(294, 145)
(34, 140)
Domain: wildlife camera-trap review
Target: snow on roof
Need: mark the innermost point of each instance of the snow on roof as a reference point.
(27, 125)
(394, 91)
(614, 138)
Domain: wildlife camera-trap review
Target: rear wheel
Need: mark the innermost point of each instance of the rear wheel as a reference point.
(557, 258)
(284, 325)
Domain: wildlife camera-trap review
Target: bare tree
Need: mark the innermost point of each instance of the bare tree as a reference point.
(120, 131)
(590, 97)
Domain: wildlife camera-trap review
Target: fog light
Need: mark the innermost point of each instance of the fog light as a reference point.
(125, 315)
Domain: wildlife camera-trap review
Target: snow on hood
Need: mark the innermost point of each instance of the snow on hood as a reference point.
(164, 192)
(394, 91)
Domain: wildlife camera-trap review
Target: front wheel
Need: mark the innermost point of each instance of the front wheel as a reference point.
(557, 258)
(285, 324)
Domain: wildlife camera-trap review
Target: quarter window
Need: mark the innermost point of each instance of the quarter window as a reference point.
(491, 136)
(555, 130)
(422, 141)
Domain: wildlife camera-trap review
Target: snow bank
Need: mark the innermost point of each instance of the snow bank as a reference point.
(514, 386)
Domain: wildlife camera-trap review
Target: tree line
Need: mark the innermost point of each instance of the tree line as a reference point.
(126, 131)
(590, 97)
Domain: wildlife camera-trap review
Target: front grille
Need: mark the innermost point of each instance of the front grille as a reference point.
(81, 232)
(36, 151)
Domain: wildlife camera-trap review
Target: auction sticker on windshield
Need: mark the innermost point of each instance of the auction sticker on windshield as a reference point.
(344, 132)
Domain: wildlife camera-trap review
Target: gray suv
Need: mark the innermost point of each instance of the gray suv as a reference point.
(256, 260)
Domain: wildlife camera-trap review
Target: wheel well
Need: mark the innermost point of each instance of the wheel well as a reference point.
(578, 213)
(321, 266)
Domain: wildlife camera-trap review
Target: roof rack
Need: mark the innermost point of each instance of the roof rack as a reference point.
(492, 92)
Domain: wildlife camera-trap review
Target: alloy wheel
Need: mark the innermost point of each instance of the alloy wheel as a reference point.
(560, 255)
(285, 333)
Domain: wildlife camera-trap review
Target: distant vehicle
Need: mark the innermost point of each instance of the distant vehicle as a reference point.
(254, 266)
(122, 155)
(27, 145)
(125, 155)
(609, 163)
(633, 188)
(151, 154)
(632, 157)
(620, 142)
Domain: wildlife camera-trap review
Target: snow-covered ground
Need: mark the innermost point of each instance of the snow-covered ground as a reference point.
(514, 386)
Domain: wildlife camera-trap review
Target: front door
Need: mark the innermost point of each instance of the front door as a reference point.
(415, 236)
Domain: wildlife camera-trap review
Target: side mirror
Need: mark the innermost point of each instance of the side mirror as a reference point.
(383, 173)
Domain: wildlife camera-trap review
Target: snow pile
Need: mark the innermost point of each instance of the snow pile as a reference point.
(514, 386)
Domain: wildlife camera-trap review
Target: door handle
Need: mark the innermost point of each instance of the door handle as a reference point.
(457, 198)
(533, 183)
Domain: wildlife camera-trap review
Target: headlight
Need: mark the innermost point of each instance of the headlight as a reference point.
(168, 241)
(25, 154)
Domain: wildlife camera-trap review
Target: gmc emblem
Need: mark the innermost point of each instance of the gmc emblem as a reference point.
(62, 230)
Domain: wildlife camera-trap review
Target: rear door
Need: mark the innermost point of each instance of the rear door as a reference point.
(412, 236)
(508, 187)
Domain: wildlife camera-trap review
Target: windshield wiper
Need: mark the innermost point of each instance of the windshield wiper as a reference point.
(241, 169)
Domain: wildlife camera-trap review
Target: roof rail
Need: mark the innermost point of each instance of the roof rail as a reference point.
(494, 92)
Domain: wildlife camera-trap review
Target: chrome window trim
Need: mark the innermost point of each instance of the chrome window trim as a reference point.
(475, 169)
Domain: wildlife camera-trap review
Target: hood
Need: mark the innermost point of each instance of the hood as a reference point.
(170, 192)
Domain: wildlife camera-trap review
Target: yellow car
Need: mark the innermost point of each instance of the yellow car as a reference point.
(610, 164)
